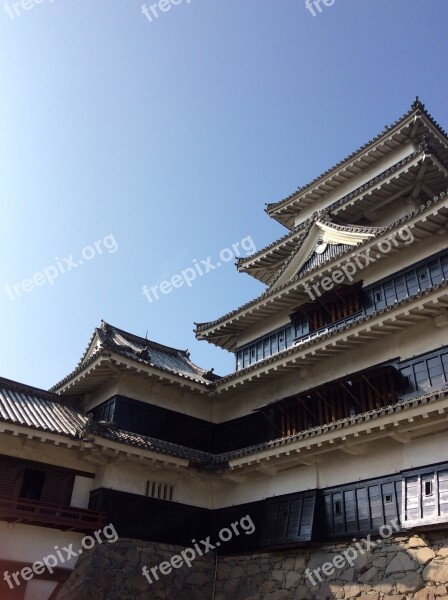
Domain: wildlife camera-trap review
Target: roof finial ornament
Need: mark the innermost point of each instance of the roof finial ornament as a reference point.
(418, 103)
(105, 327)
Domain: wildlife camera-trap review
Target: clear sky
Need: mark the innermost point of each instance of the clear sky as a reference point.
(164, 139)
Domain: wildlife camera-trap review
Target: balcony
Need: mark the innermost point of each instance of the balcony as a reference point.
(43, 514)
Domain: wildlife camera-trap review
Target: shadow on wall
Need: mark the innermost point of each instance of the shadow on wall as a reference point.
(402, 567)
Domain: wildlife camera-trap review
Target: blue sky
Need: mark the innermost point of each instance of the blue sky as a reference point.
(169, 137)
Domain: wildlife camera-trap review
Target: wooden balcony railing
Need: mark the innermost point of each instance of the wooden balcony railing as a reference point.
(32, 512)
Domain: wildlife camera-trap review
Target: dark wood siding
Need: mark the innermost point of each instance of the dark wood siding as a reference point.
(155, 421)
(58, 487)
(9, 470)
(58, 481)
(288, 520)
(359, 508)
(246, 431)
(139, 517)
(425, 496)
(224, 517)
(406, 283)
(374, 388)
(333, 306)
(344, 303)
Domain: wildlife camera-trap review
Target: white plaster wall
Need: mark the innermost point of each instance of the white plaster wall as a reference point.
(426, 451)
(101, 394)
(27, 543)
(391, 212)
(155, 393)
(258, 486)
(48, 453)
(382, 457)
(189, 488)
(81, 491)
(413, 253)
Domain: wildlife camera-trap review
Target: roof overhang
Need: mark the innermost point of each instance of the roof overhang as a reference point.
(424, 222)
(102, 451)
(107, 366)
(414, 125)
(403, 422)
(420, 173)
(382, 324)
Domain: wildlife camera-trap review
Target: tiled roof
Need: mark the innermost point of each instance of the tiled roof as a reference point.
(271, 291)
(415, 107)
(288, 237)
(296, 232)
(149, 443)
(141, 350)
(153, 354)
(37, 409)
(30, 407)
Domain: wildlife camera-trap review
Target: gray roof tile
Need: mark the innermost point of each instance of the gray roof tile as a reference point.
(30, 407)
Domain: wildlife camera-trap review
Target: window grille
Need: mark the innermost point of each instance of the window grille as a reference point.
(161, 491)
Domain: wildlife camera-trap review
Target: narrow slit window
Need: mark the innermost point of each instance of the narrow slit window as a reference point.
(388, 499)
(160, 491)
(338, 507)
(428, 488)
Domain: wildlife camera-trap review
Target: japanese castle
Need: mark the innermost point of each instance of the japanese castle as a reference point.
(333, 423)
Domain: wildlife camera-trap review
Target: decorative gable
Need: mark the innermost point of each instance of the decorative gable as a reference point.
(325, 240)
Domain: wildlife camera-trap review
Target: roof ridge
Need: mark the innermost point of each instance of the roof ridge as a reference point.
(146, 341)
(23, 387)
(416, 106)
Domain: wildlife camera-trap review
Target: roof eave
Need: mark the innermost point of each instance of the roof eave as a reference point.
(277, 210)
(229, 321)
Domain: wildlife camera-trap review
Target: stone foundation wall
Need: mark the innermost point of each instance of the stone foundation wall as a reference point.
(399, 568)
(114, 572)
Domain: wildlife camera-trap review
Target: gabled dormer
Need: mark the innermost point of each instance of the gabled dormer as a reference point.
(325, 240)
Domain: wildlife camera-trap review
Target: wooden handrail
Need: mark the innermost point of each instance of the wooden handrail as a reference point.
(48, 513)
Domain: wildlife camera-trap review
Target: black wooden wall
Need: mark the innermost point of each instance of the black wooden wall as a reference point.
(155, 421)
(352, 510)
(359, 508)
(58, 481)
(288, 520)
(355, 394)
